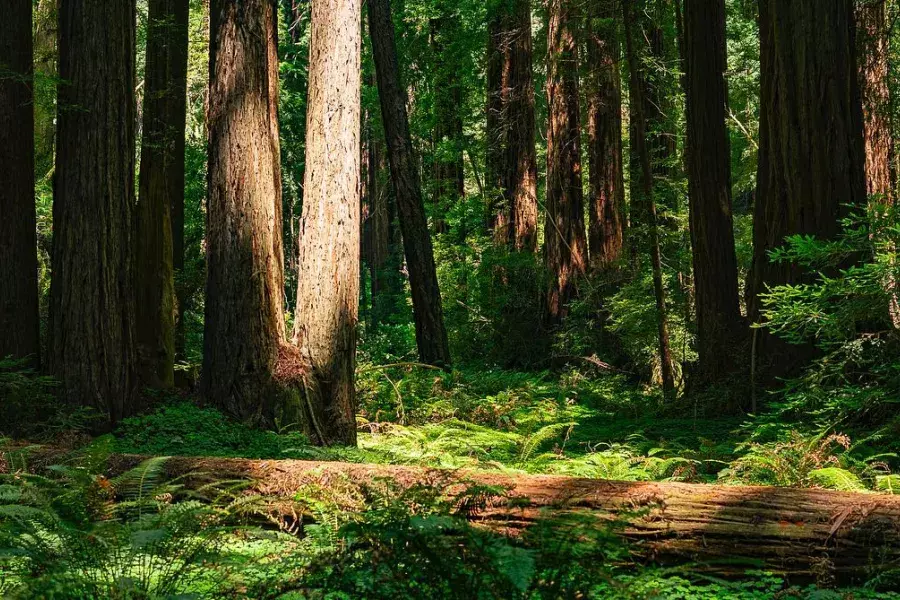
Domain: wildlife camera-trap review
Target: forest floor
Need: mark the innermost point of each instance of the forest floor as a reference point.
(594, 425)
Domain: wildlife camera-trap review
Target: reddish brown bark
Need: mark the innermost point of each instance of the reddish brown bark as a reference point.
(806, 180)
(872, 45)
(565, 243)
(244, 324)
(719, 323)
(607, 184)
(19, 318)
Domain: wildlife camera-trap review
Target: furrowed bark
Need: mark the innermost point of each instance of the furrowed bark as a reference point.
(92, 306)
(726, 529)
(161, 188)
(428, 312)
(872, 72)
(19, 318)
(565, 238)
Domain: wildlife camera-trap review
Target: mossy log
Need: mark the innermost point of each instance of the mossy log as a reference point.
(723, 529)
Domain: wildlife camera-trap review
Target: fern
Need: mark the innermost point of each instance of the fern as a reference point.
(835, 478)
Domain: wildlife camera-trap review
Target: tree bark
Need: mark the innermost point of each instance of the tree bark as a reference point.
(92, 306)
(872, 46)
(606, 178)
(431, 336)
(328, 286)
(726, 529)
(19, 318)
(244, 324)
(646, 201)
(565, 243)
(719, 323)
(161, 187)
(805, 179)
(512, 159)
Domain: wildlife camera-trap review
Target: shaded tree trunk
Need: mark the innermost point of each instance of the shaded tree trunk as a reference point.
(512, 159)
(92, 307)
(872, 46)
(565, 243)
(328, 286)
(646, 201)
(606, 178)
(719, 323)
(431, 336)
(244, 324)
(805, 178)
(161, 189)
(19, 317)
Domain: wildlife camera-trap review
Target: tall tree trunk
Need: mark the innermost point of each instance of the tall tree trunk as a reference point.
(244, 324)
(92, 309)
(19, 318)
(719, 326)
(806, 178)
(872, 46)
(431, 336)
(565, 242)
(647, 202)
(161, 187)
(448, 171)
(512, 160)
(606, 178)
(328, 287)
(46, 55)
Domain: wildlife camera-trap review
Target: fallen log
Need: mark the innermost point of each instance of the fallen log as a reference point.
(723, 529)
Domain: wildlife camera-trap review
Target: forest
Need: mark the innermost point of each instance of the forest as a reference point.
(450, 299)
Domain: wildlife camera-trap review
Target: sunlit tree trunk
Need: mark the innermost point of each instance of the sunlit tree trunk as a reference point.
(811, 156)
(872, 45)
(512, 161)
(328, 286)
(719, 324)
(646, 201)
(565, 243)
(244, 324)
(431, 336)
(19, 319)
(607, 185)
(161, 189)
(92, 310)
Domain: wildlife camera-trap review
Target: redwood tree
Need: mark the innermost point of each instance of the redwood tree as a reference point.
(607, 185)
(244, 324)
(19, 320)
(161, 187)
(512, 161)
(328, 282)
(719, 327)
(811, 153)
(565, 243)
(92, 312)
(431, 336)
(872, 46)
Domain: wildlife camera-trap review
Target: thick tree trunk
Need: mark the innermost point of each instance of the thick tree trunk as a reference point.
(328, 286)
(512, 159)
(431, 336)
(726, 529)
(872, 47)
(719, 323)
(244, 325)
(92, 310)
(565, 243)
(161, 188)
(805, 179)
(647, 203)
(606, 178)
(19, 318)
